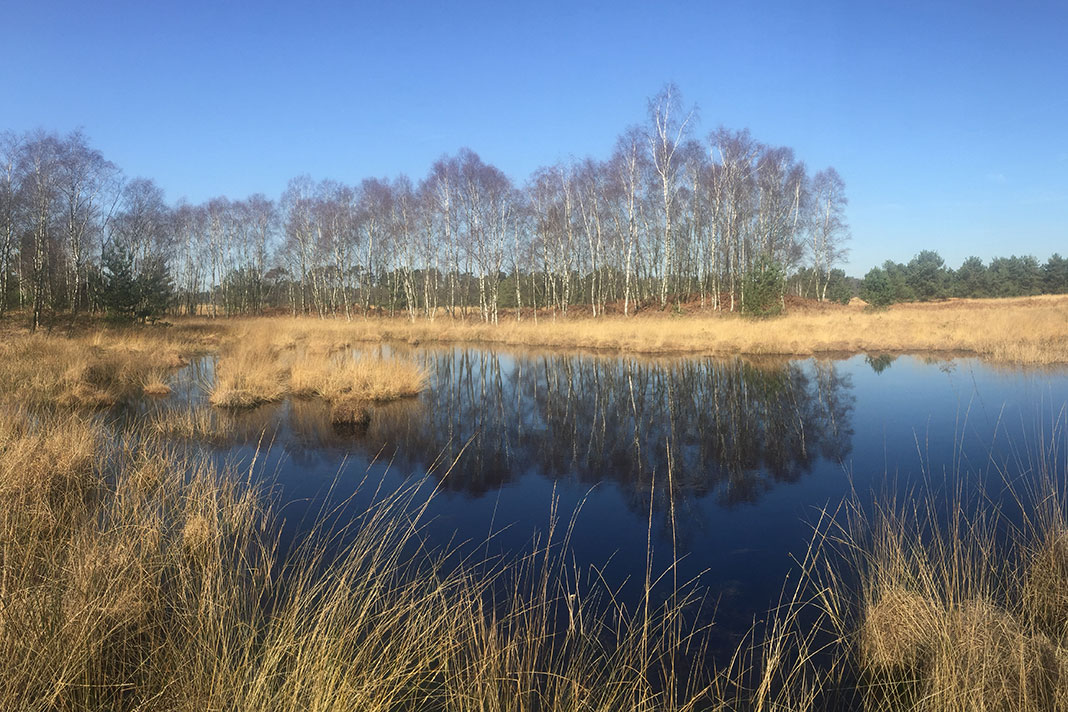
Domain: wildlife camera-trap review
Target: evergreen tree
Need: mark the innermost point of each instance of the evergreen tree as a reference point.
(117, 288)
(972, 279)
(926, 276)
(839, 288)
(155, 290)
(125, 294)
(764, 286)
(1055, 275)
(876, 288)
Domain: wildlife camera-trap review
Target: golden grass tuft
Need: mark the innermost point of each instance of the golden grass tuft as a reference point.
(986, 661)
(156, 385)
(356, 379)
(247, 376)
(899, 631)
(257, 370)
(1045, 586)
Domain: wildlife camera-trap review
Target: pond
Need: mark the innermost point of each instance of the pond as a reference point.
(723, 465)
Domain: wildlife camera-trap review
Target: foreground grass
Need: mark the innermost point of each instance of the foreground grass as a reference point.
(133, 578)
(942, 599)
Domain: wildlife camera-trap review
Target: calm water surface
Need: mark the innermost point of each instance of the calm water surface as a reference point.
(744, 453)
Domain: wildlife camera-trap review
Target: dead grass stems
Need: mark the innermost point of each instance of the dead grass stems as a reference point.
(132, 577)
(944, 598)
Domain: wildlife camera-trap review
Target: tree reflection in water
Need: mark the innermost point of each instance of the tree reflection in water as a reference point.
(733, 428)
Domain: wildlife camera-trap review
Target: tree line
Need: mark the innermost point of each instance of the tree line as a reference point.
(668, 217)
(926, 277)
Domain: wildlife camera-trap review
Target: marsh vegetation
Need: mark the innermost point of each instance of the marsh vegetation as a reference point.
(534, 530)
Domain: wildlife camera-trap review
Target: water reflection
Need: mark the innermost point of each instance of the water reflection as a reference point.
(730, 428)
(879, 363)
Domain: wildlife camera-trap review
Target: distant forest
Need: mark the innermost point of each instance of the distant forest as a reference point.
(724, 222)
(926, 277)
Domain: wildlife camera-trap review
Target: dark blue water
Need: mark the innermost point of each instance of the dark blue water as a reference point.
(724, 464)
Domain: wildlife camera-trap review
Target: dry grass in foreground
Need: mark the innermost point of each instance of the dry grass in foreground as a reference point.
(1030, 330)
(931, 602)
(132, 578)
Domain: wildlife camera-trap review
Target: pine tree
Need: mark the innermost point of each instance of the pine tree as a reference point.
(117, 290)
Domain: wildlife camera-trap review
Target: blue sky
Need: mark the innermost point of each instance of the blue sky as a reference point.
(946, 120)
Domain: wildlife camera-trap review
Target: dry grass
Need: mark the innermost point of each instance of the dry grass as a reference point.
(133, 578)
(157, 585)
(263, 359)
(97, 368)
(155, 384)
(1031, 330)
(361, 379)
(898, 631)
(938, 600)
(247, 375)
(273, 359)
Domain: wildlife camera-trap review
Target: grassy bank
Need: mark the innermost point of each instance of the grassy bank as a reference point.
(1032, 330)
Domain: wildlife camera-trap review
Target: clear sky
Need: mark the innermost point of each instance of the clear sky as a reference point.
(947, 121)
